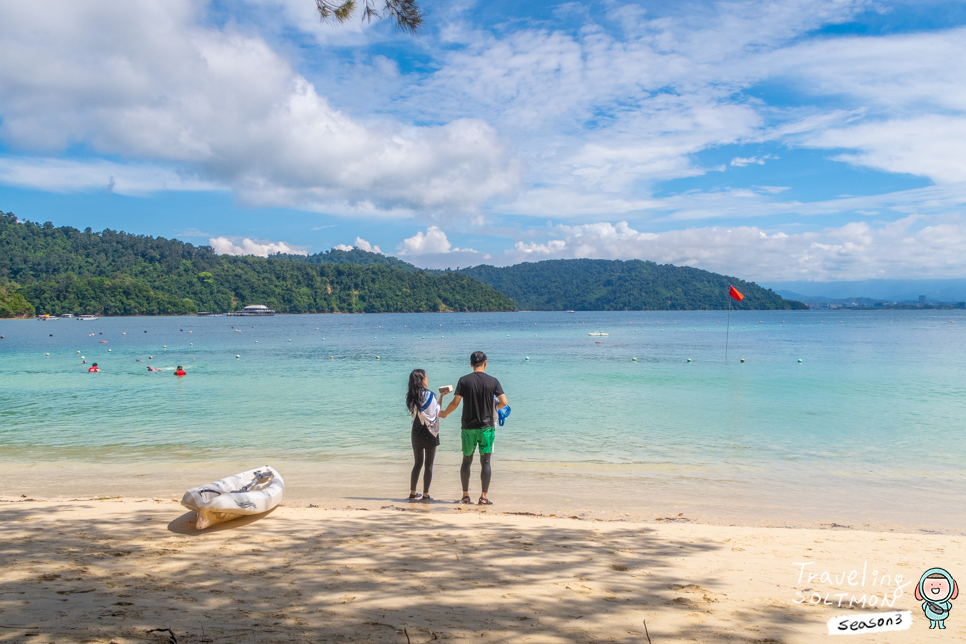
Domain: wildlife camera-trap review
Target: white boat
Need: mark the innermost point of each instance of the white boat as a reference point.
(67, 315)
(86, 318)
(598, 334)
(252, 492)
(46, 317)
(254, 309)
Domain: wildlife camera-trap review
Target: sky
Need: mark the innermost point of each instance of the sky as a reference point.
(808, 140)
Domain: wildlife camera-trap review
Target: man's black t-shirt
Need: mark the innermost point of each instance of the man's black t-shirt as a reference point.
(477, 390)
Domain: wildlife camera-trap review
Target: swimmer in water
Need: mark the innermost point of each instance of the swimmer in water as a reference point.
(180, 371)
(150, 368)
(93, 369)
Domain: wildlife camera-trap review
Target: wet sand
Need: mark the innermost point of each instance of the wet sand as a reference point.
(117, 570)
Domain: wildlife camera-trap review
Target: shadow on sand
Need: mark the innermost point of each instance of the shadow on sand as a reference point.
(379, 576)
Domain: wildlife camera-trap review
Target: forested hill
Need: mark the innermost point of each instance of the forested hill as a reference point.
(353, 256)
(65, 270)
(605, 285)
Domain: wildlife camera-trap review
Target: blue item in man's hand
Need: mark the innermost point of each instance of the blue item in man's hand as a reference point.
(503, 413)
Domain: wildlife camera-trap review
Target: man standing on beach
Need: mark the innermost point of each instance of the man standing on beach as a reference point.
(477, 422)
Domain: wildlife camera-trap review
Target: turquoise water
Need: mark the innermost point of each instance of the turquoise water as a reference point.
(878, 396)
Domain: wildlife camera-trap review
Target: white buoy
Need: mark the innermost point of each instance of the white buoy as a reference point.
(742, 359)
(290, 339)
(799, 359)
(633, 359)
(108, 350)
(527, 358)
(48, 354)
(377, 358)
(689, 359)
(78, 352)
(237, 356)
(191, 344)
(165, 346)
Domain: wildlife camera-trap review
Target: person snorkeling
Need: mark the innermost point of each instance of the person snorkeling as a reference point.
(180, 371)
(424, 409)
(93, 369)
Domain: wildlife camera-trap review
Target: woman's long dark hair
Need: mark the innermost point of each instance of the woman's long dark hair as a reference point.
(415, 393)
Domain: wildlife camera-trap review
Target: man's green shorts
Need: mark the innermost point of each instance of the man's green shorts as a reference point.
(482, 437)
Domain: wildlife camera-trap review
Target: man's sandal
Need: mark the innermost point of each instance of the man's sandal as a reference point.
(485, 501)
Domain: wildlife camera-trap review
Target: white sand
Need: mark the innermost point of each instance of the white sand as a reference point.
(110, 571)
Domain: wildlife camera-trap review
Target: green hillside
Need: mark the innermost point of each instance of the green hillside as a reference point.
(354, 256)
(605, 285)
(65, 270)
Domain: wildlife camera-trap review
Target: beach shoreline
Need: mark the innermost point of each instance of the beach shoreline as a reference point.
(561, 489)
(113, 570)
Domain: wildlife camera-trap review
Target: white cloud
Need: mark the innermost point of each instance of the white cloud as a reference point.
(432, 249)
(224, 246)
(913, 247)
(433, 240)
(343, 247)
(61, 175)
(362, 244)
(149, 81)
(741, 162)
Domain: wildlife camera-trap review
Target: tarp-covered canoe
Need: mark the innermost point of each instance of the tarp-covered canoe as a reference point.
(252, 492)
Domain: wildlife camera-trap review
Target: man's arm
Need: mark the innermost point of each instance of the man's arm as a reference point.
(503, 402)
(452, 407)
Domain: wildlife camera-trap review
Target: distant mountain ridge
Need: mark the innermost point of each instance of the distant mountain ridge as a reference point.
(616, 285)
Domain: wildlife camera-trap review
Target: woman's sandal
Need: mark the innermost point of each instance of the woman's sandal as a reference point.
(426, 498)
(485, 501)
(466, 501)
(415, 497)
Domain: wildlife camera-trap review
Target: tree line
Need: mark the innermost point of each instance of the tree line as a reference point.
(64, 270)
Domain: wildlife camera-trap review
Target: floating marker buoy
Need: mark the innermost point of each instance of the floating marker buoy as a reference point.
(290, 339)
(742, 359)
(191, 344)
(330, 357)
(48, 354)
(799, 359)
(256, 341)
(124, 334)
(149, 357)
(108, 350)
(633, 359)
(528, 357)
(166, 346)
(78, 352)
(377, 358)
(82, 357)
(689, 359)
(237, 356)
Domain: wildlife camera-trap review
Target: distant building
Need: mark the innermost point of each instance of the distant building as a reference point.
(922, 300)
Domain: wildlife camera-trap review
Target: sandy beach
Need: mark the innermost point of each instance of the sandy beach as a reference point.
(116, 570)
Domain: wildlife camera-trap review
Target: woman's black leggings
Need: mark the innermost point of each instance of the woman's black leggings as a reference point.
(430, 456)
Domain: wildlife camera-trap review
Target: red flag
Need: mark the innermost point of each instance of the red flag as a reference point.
(735, 294)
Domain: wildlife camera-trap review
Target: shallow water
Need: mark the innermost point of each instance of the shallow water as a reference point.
(873, 411)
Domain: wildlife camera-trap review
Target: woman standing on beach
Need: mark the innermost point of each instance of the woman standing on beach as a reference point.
(424, 408)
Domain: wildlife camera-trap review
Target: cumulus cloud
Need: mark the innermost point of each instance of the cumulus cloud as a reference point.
(152, 82)
(361, 244)
(225, 246)
(433, 240)
(741, 162)
(432, 249)
(913, 247)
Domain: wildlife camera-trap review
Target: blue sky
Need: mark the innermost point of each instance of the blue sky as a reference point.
(802, 140)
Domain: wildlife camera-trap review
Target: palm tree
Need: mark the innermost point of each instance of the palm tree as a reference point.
(405, 13)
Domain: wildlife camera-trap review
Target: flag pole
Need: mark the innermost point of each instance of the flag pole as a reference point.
(728, 332)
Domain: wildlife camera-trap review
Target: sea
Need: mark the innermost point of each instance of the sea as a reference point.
(838, 417)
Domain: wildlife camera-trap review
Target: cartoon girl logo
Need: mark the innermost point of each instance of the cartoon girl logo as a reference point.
(936, 590)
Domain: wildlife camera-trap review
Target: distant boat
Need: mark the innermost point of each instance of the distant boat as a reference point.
(569, 311)
(45, 317)
(253, 309)
(86, 318)
(67, 315)
(598, 334)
